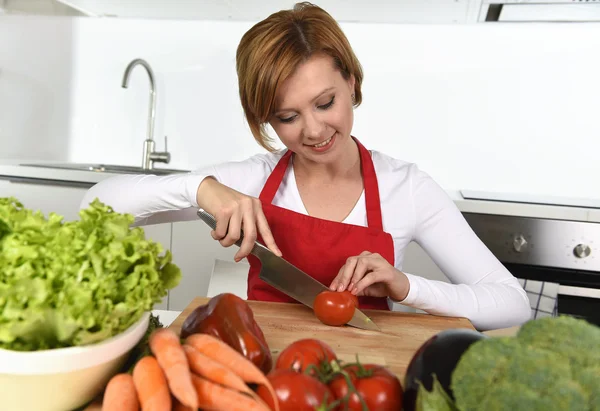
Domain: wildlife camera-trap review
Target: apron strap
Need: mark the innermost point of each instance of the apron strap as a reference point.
(372, 202)
(272, 184)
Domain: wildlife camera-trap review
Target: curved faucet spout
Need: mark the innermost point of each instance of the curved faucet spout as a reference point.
(152, 108)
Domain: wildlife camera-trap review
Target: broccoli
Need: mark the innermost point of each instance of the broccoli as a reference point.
(551, 364)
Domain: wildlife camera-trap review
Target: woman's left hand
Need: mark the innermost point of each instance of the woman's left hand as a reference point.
(370, 274)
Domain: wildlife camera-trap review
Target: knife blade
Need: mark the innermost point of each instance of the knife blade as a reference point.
(277, 272)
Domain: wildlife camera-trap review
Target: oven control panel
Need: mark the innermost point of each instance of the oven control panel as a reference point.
(538, 241)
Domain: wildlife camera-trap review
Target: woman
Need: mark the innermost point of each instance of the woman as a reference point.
(352, 211)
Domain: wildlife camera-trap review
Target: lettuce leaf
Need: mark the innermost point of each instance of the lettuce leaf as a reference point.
(78, 282)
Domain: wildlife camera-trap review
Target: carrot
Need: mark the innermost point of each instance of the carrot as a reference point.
(213, 396)
(214, 371)
(120, 394)
(94, 406)
(219, 351)
(177, 406)
(151, 385)
(167, 349)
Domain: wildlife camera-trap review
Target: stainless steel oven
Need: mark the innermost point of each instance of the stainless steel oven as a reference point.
(548, 250)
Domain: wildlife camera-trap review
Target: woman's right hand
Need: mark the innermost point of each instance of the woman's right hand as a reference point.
(235, 212)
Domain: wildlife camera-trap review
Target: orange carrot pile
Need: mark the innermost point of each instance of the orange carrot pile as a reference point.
(202, 372)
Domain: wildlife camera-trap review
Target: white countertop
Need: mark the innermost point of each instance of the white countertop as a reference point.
(12, 168)
(166, 317)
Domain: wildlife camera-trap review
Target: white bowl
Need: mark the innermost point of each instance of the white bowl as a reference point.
(64, 379)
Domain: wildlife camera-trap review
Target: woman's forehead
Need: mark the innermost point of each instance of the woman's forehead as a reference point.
(310, 80)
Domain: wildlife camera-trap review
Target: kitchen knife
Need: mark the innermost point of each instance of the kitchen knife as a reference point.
(290, 280)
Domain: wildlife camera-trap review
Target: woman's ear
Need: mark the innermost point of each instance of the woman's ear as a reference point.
(351, 81)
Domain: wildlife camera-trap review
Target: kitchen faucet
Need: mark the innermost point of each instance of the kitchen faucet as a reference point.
(149, 155)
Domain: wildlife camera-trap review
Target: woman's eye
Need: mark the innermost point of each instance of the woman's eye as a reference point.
(326, 106)
(287, 119)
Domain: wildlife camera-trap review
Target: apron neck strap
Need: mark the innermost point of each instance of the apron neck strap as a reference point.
(372, 202)
(274, 181)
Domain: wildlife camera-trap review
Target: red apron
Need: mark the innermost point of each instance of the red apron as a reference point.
(321, 247)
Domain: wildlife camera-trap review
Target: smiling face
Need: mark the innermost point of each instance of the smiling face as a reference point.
(313, 114)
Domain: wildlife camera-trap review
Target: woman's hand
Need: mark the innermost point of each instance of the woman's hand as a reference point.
(370, 274)
(235, 212)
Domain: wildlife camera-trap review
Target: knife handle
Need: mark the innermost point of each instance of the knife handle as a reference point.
(212, 223)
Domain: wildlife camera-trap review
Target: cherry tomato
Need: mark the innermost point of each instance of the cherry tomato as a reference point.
(334, 308)
(379, 388)
(296, 391)
(301, 354)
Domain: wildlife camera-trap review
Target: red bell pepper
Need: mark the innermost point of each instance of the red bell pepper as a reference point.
(230, 318)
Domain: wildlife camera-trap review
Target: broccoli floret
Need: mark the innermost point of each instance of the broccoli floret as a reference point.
(575, 339)
(552, 364)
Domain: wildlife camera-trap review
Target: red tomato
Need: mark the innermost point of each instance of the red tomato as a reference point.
(378, 387)
(296, 391)
(300, 354)
(353, 297)
(334, 308)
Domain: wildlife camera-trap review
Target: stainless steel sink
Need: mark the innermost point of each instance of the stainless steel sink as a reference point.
(106, 168)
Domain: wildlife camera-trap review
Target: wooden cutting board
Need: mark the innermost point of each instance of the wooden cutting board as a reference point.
(400, 337)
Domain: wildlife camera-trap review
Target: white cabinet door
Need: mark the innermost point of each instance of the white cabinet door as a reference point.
(62, 200)
(194, 251)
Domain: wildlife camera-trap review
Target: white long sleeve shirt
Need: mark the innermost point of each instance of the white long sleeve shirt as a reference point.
(414, 208)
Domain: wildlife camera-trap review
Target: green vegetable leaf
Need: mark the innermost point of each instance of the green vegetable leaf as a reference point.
(435, 400)
(76, 282)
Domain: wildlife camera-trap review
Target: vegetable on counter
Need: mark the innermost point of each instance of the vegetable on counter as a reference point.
(167, 349)
(309, 354)
(230, 319)
(176, 376)
(335, 308)
(298, 392)
(377, 386)
(75, 283)
(220, 351)
(552, 363)
(437, 357)
(323, 382)
(121, 394)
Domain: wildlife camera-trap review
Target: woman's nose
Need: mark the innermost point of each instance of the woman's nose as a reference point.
(313, 126)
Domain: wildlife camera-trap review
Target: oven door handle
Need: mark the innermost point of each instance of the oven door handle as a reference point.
(579, 291)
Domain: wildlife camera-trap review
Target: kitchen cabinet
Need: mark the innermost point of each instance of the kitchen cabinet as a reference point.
(61, 199)
(195, 252)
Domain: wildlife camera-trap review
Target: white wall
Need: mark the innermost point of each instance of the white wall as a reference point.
(489, 107)
(36, 64)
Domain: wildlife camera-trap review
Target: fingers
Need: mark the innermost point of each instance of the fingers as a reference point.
(342, 280)
(373, 279)
(244, 216)
(233, 230)
(249, 237)
(220, 230)
(265, 232)
(355, 269)
(337, 280)
(363, 265)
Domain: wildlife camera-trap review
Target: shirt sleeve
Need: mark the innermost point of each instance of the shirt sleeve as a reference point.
(154, 199)
(483, 290)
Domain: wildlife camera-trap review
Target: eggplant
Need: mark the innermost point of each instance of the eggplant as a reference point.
(438, 355)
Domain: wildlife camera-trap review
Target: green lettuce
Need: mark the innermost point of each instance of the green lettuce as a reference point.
(75, 283)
